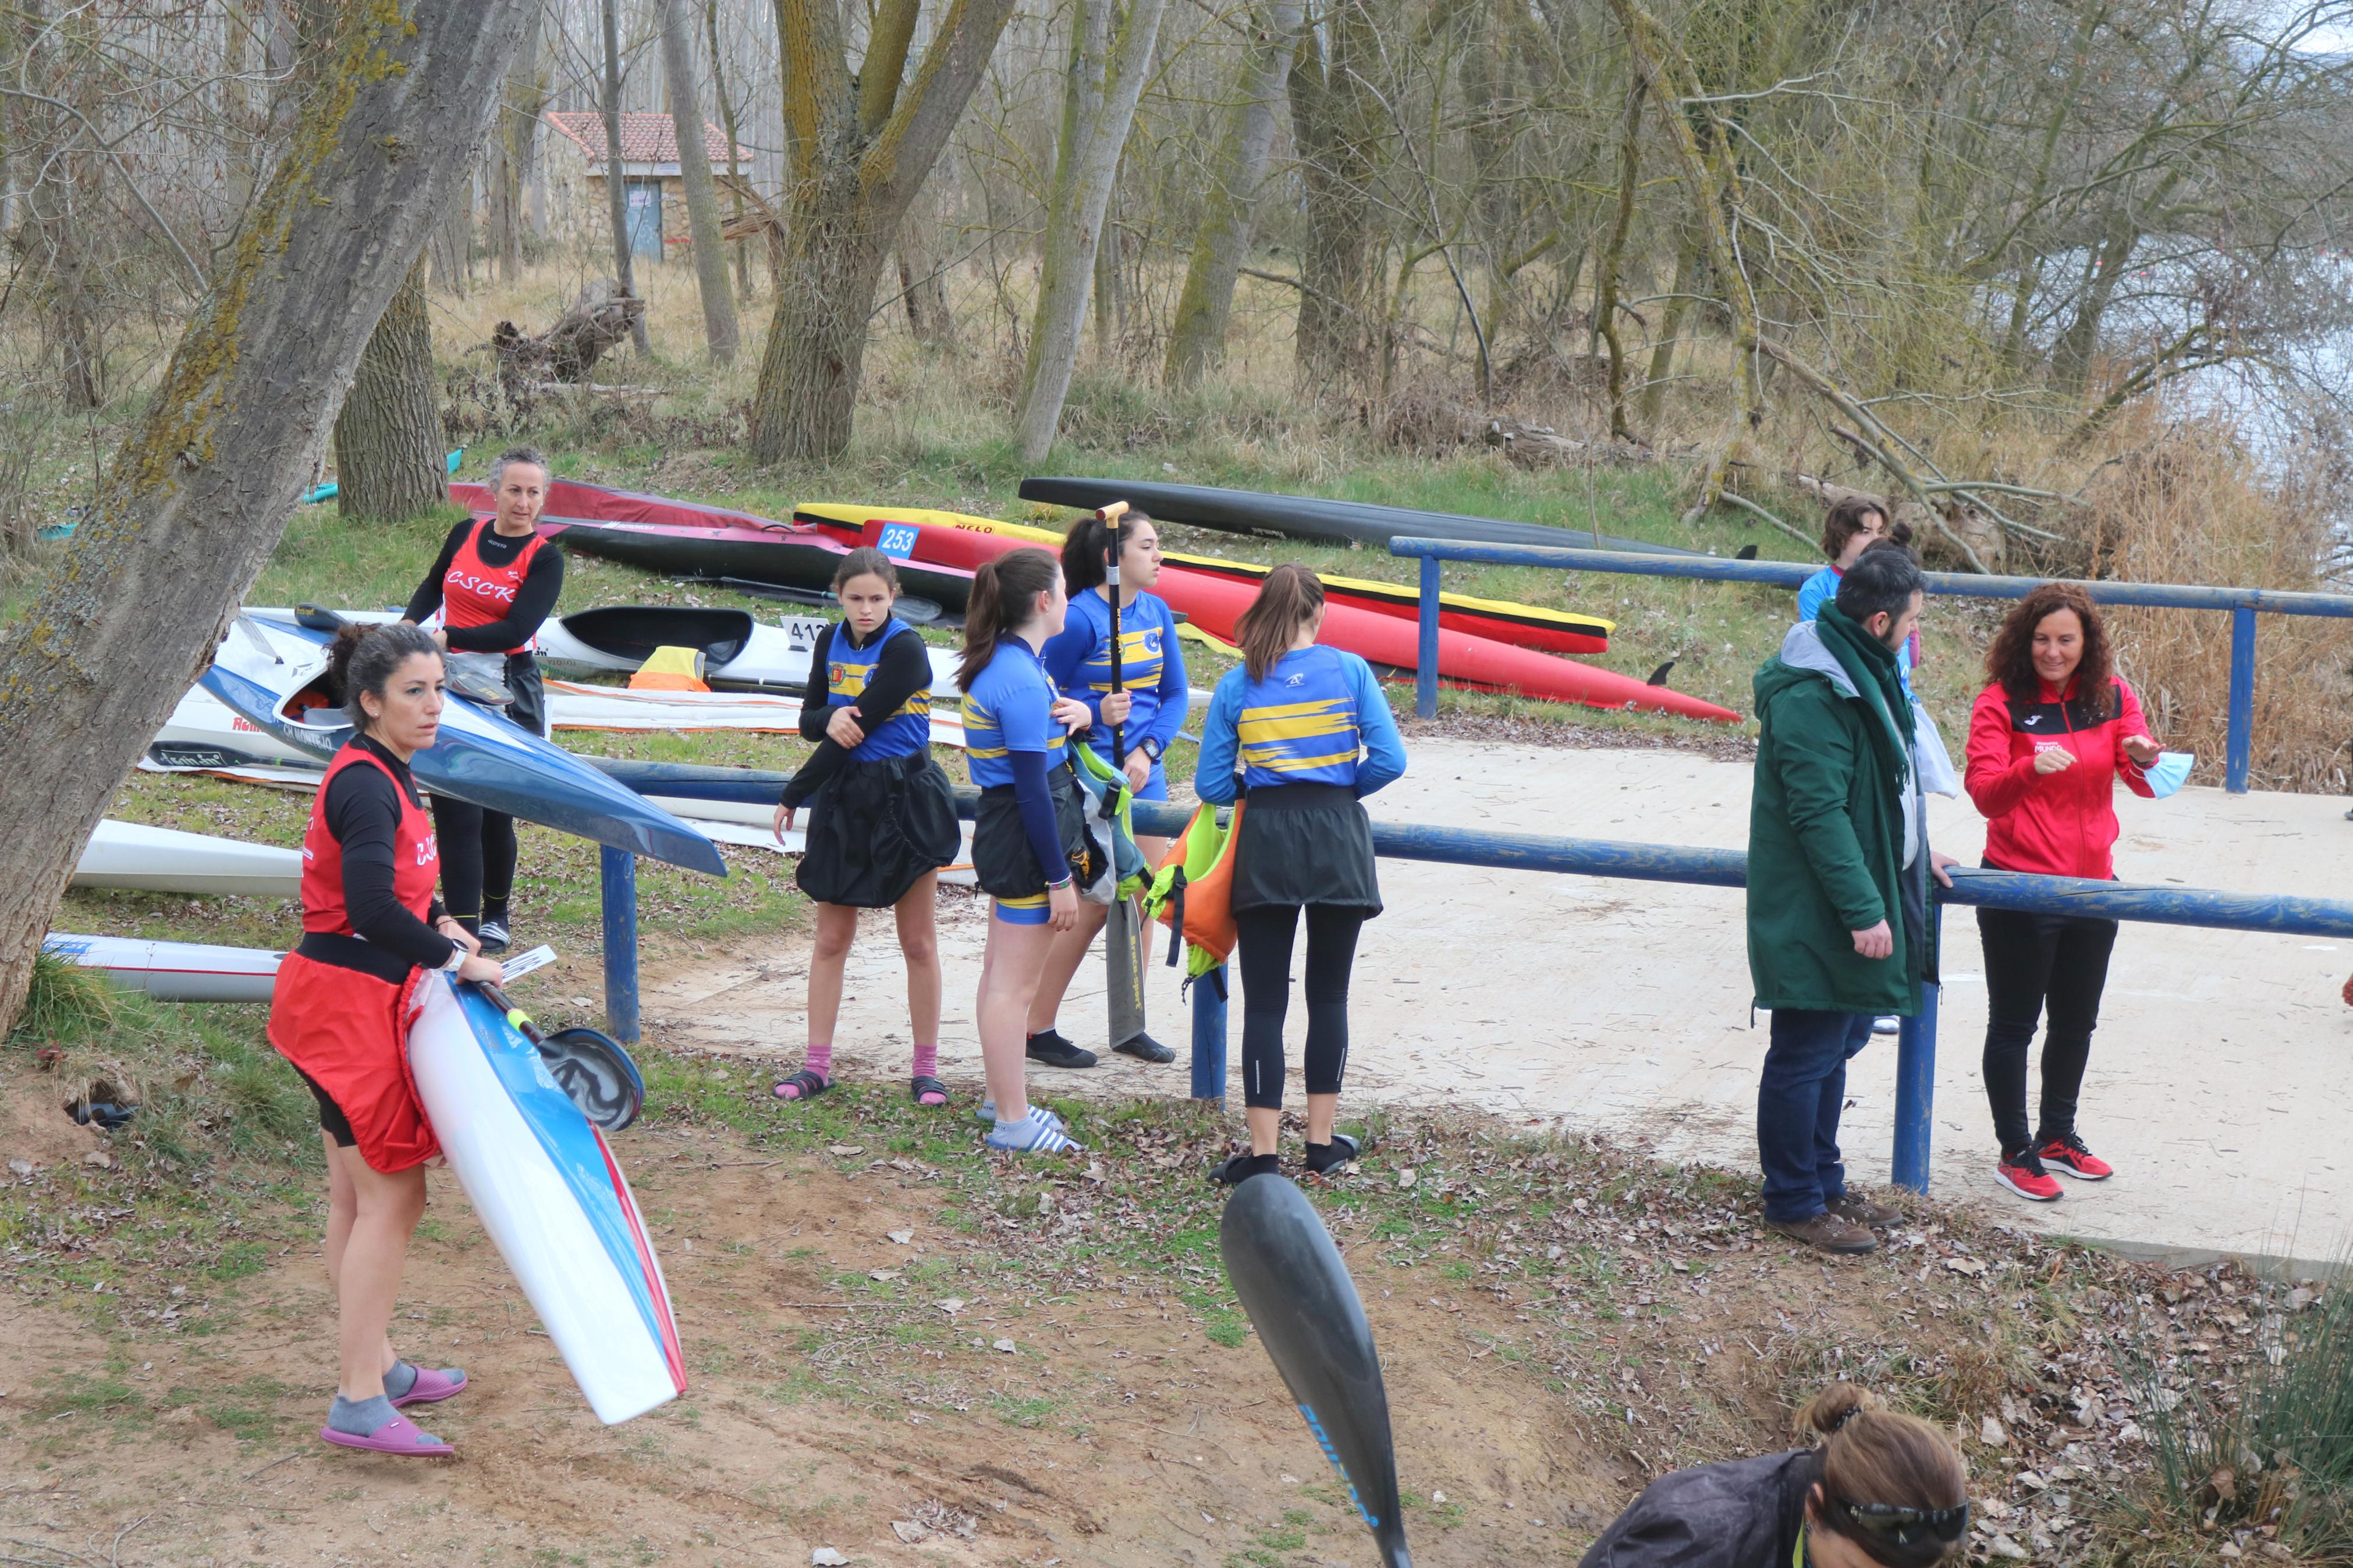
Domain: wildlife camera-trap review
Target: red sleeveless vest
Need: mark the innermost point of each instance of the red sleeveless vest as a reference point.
(474, 593)
(415, 858)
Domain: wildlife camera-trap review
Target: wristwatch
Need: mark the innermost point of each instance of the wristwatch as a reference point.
(1151, 747)
(456, 956)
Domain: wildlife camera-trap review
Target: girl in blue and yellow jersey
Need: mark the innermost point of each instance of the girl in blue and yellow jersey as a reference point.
(1301, 733)
(1145, 712)
(882, 819)
(1029, 825)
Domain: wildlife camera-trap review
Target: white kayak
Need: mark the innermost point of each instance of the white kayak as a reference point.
(548, 1190)
(174, 971)
(572, 705)
(203, 734)
(737, 650)
(164, 861)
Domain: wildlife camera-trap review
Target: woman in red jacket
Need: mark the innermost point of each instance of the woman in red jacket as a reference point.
(2049, 738)
(370, 925)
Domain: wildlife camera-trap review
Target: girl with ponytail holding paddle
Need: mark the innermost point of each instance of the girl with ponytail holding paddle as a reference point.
(1028, 825)
(1882, 1490)
(882, 819)
(1136, 705)
(1300, 735)
(370, 925)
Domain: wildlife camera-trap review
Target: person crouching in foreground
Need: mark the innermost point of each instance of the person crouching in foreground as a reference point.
(1882, 1490)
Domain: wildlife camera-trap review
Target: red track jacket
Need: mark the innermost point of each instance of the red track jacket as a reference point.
(2062, 824)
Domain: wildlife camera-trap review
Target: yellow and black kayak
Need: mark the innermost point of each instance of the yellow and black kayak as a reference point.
(1522, 626)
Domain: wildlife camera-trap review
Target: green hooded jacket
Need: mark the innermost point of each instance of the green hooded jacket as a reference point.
(1828, 819)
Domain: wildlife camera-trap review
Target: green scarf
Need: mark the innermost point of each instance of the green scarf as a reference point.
(1871, 665)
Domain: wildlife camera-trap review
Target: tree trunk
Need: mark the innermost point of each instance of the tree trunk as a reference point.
(55, 230)
(388, 452)
(859, 148)
(1107, 73)
(1335, 123)
(195, 499)
(1197, 339)
(922, 278)
(727, 122)
(512, 139)
(1671, 326)
(616, 195)
(1605, 289)
(451, 248)
(695, 173)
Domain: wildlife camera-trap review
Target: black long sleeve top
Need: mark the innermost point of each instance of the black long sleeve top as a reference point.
(534, 602)
(902, 670)
(363, 812)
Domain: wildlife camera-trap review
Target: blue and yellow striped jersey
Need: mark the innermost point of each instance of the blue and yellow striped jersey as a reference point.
(1010, 707)
(848, 669)
(1299, 725)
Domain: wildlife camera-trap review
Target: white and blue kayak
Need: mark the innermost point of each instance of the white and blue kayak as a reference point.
(552, 1196)
(174, 971)
(268, 672)
(164, 861)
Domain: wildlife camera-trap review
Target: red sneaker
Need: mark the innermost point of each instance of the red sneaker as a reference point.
(2025, 1176)
(2067, 1153)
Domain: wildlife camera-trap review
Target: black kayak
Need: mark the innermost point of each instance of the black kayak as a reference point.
(787, 557)
(1306, 517)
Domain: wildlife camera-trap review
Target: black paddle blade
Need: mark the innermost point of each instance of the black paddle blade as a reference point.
(596, 1074)
(1298, 1297)
(317, 617)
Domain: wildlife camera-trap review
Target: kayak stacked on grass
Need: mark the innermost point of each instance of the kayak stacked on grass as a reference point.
(172, 971)
(164, 861)
(1215, 602)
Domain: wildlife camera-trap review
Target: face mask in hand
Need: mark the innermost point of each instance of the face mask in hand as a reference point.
(2169, 772)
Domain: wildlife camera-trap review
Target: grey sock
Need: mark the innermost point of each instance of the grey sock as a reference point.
(399, 1380)
(360, 1418)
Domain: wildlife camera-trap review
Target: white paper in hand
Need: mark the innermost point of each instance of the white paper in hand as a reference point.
(522, 964)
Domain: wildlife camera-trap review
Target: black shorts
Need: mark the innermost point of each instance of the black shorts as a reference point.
(331, 1120)
(1002, 861)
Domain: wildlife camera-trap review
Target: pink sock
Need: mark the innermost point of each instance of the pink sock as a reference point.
(820, 1059)
(927, 1059)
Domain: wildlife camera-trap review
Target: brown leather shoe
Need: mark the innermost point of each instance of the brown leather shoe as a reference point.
(1827, 1232)
(1856, 1209)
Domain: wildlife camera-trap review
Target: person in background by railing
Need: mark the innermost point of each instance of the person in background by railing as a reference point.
(2051, 734)
(1837, 927)
(1852, 525)
(1301, 733)
(1883, 1491)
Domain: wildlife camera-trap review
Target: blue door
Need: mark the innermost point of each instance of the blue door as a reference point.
(645, 203)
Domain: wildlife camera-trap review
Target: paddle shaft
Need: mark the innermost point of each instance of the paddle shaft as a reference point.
(1109, 516)
(515, 1016)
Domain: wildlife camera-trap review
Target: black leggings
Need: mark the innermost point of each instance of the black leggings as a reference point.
(2033, 959)
(1264, 936)
(478, 857)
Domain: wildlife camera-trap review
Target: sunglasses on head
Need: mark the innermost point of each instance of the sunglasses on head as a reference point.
(1903, 1526)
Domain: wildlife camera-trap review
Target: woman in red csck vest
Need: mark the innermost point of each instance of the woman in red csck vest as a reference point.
(492, 584)
(370, 927)
(2052, 733)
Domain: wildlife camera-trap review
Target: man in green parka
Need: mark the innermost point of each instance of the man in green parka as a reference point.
(1838, 926)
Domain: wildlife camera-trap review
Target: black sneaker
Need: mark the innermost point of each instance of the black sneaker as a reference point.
(1145, 1048)
(494, 936)
(1047, 1048)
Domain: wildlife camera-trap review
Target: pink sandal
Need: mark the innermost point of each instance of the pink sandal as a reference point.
(433, 1385)
(397, 1436)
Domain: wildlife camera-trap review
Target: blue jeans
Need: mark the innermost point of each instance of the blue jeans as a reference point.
(1797, 1103)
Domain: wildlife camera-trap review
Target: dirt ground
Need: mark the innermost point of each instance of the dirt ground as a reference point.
(910, 1353)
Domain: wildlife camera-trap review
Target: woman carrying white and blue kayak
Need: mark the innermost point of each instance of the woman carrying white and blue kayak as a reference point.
(492, 584)
(881, 815)
(1300, 735)
(1133, 722)
(1883, 1491)
(1030, 826)
(370, 927)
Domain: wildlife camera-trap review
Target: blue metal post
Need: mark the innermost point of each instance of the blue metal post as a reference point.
(1425, 669)
(1208, 998)
(1915, 1081)
(2240, 744)
(620, 879)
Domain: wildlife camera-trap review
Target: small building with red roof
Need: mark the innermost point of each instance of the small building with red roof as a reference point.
(575, 154)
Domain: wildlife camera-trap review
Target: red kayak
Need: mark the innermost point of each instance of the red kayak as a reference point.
(1214, 602)
(601, 503)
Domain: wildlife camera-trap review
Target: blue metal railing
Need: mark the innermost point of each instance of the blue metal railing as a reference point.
(2244, 603)
(1916, 1060)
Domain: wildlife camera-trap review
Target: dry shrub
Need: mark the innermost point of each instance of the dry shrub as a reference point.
(2187, 503)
